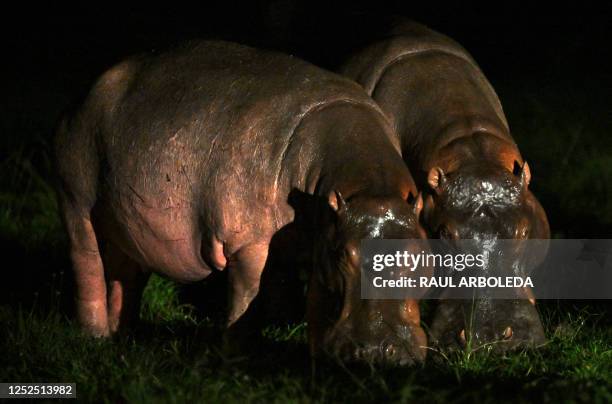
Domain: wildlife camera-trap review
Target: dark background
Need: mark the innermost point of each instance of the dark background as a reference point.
(549, 65)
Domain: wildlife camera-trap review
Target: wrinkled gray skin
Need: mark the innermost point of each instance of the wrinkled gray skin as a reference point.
(455, 139)
(183, 163)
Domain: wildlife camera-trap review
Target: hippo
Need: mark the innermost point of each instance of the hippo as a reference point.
(456, 140)
(195, 160)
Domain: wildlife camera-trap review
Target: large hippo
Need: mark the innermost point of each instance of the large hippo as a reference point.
(190, 161)
(455, 138)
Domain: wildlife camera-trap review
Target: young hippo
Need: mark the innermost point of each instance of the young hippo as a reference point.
(183, 163)
(455, 138)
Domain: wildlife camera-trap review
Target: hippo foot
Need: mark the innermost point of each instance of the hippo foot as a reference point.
(497, 326)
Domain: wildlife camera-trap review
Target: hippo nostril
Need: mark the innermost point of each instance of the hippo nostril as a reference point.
(390, 351)
(507, 333)
(462, 339)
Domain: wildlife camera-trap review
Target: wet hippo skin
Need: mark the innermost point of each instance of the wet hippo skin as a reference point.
(455, 139)
(193, 160)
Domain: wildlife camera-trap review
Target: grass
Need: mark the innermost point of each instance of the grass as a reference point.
(177, 360)
(174, 356)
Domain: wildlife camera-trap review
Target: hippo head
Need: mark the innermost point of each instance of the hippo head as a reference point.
(486, 202)
(342, 324)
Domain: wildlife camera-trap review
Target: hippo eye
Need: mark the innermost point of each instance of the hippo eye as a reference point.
(352, 253)
(522, 233)
(445, 233)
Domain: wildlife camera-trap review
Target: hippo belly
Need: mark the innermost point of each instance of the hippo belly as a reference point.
(162, 236)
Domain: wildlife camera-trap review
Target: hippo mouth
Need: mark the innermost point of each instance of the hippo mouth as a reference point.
(399, 345)
(493, 325)
(385, 353)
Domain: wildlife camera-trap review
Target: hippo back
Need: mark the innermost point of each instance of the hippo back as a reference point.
(218, 118)
(431, 89)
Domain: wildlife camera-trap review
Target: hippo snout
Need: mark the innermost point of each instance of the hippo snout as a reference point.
(499, 326)
(389, 354)
(514, 324)
(390, 351)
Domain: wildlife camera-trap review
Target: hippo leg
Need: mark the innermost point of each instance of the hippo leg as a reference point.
(126, 280)
(88, 271)
(244, 272)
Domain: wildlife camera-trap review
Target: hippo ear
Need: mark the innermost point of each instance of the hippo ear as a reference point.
(336, 201)
(525, 175)
(418, 204)
(417, 201)
(436, 179)
(523, 172)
